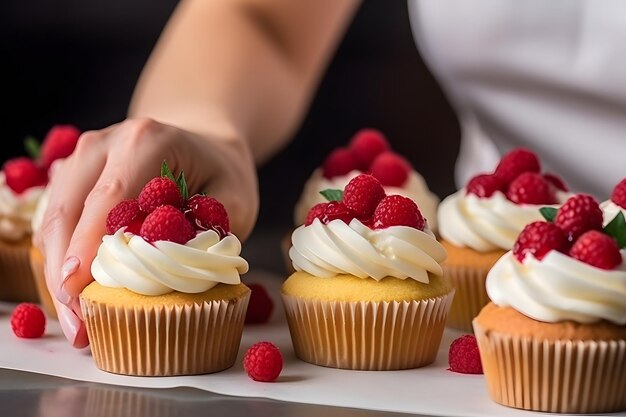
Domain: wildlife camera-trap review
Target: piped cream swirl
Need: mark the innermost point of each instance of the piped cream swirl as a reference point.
(610, 210)
(338, 248)
(559, 287)
(486, 224)
(415, 188)
(16, 210)
(127, 260)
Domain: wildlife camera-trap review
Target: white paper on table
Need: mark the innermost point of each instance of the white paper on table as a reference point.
(430, 390)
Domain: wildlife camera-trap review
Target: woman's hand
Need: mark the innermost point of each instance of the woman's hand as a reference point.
(113, 164)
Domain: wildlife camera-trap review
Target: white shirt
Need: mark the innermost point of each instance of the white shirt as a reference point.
(549, 75)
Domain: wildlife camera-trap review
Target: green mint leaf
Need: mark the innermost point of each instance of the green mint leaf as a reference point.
(548, 213)
(617, 229)
(32, 146)
(182, 185)
(165, 171)
(332, 195)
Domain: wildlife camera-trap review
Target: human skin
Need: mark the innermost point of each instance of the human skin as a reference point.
(225, 87)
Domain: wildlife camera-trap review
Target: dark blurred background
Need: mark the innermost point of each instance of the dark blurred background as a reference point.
(76, 61)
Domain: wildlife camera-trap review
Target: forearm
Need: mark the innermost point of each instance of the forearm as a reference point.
(239, 68)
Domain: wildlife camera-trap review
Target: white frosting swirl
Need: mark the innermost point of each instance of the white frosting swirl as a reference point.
(415, 188)
(127, 260)
(486, 224)
(559, 288)
(338, 248)
(610, 210)
(16, 210)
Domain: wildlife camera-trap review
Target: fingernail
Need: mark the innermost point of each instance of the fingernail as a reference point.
(69, 267)
(70, 323)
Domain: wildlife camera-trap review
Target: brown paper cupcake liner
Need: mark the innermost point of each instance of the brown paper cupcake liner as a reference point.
(367, 335)
(37, 268)
(554, 376)
(165, 340)
(471, 295)
(16, 277)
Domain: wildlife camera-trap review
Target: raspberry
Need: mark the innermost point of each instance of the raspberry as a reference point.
(28, 321)
(125, 213)
(157, 192)
(556, 181)
(484, 185)
(397, 210)
(516, 162)
(531, 188)
(464, 357)
(208, 213)
(260, 306)
(316, 212)
(22, 173)
(339, 162)
(580, 213)
(337, 210)
(391, 169)
(263, 362)
(59, 142)
(618, 196)
(167, 223)
(366, 144)
(597, 249)
(362, 194)
(539, 238)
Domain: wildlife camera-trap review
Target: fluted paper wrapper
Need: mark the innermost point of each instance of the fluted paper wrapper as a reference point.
(471, 295)
(16, 277)
(165, 340)
(37, 267)
(554, 376)
(367, 335)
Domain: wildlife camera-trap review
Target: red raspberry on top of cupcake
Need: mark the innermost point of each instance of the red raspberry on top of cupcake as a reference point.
(616, 202)
(368, 151)
(365, 199)
(164, 211)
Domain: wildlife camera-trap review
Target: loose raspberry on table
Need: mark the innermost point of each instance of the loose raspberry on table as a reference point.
(28, 321)
(464, 356)
(362, 195)
(531, 188)
(580, 213)
(556, 181)
(208, 213)
(260, 306)
(263, 362)
(539, 238)
(23, 173)
(167, 223)
(125, 214)
(397, 210)
(516, 162)
(339, 162)
(618, 196)
(597, 249)
(157, 192)
(391, 169)
(59, 142)
(484, 185)
(336, 210)
(316, 212)
(366, 144)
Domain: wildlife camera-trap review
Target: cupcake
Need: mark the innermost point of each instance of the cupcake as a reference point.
(22, 183)
(167, 297)
(480, 222)
(367, 152)
(368, 291)
(553, 339)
